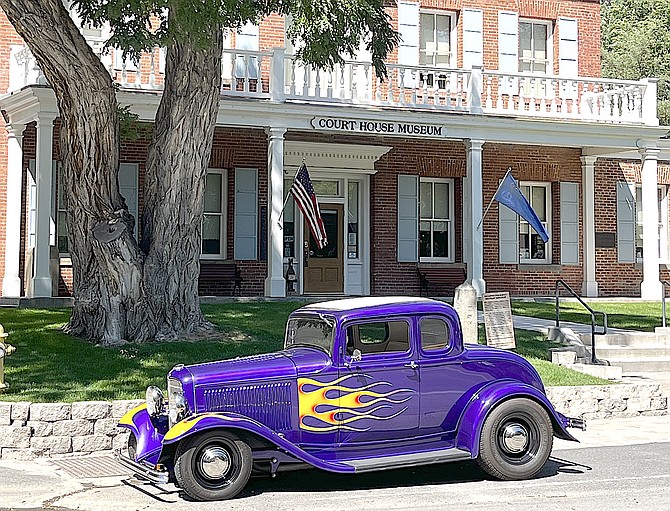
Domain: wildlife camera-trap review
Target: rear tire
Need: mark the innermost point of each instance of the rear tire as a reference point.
(213, 466)
(516, 440)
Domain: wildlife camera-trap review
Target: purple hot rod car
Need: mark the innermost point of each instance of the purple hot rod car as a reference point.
(362, 384)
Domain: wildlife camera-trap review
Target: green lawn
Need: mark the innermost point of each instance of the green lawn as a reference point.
(51, 366)
(643, 316)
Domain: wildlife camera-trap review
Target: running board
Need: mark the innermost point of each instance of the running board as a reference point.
(408, 460)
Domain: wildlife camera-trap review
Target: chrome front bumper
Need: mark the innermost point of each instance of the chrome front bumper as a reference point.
(577, 423)
(142, 469)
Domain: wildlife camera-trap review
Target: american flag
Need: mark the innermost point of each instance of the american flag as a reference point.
(303, 193)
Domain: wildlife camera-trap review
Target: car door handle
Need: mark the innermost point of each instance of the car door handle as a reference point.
(412, 365)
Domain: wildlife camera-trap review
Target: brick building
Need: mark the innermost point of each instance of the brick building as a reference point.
(403, 169)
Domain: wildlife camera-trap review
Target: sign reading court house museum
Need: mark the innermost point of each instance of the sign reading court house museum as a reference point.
(377, 127)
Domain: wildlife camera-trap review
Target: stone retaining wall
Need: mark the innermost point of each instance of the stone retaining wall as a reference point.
(609, 401)
(30, 430)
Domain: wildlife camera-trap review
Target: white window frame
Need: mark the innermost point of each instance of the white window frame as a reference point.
(550, 45)
(453, 34)
(450, 221)
(663, 255)
(547, 252)
(224, 217)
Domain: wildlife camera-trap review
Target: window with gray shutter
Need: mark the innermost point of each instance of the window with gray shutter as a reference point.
(408, 218)
(246, 214)
(568, 49)
(473, 38)
(508, 41)
(625, 223)
(569, 223)
(508, 235)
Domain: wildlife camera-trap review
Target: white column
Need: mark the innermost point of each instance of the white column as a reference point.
(651, 284)
(275, 285)
(590, 287)
(11, 282)
(42, 285)
(475, 194)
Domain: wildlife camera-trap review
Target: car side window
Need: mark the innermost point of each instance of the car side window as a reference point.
(378, 337)
(434, 334)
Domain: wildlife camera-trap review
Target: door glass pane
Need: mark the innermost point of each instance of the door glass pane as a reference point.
(391, 336)
(441, 200)
(442, 32)
(539, 202)
(211, 234)
(424, 239)
(540, 41)
(352, 224)
(427, 39)
(213, 193)
(426, 200)
(525, 48)
(330, 223)
(440, 239)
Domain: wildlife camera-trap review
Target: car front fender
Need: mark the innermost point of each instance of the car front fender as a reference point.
(228, 420)
(149, 438)
(486, 399)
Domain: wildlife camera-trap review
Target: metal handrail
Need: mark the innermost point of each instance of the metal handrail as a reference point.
(664, 283)
(594, 360)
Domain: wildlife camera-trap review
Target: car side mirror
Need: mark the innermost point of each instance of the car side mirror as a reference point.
(356, 357)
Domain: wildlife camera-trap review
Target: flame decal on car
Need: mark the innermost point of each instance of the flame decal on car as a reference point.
(327, 406)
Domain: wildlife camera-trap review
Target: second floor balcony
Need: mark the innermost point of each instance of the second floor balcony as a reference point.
(275, 76)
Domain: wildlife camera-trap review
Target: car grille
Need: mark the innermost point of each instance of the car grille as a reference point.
(268, 403)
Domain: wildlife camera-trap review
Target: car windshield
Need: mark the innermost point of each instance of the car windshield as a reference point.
(310, 331)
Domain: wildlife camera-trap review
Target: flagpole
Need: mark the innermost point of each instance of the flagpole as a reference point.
(281, 213)
(509, 170)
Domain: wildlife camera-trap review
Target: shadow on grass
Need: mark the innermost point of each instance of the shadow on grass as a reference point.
(51, 366)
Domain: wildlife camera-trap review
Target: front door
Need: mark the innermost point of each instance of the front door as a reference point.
(324, 267)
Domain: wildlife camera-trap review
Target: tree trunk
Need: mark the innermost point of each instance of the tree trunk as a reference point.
(120, 291)
(177, 164)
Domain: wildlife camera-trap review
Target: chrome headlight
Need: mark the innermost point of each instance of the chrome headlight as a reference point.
(176, 401)
(155, 400)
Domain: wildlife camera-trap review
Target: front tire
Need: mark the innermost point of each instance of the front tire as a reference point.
(516, 440)
(213, 466)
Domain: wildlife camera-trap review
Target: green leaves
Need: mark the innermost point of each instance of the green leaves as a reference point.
(326, 32)
(636, 44)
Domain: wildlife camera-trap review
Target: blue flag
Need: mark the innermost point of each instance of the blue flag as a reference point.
(509, 194)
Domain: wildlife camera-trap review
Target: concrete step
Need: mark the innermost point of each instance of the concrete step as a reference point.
(627, 339)
(649, 351)
(635, 365)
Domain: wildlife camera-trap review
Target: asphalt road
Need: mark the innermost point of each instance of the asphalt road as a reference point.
(592, 478)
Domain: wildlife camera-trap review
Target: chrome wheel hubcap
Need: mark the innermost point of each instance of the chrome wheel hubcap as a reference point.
(514, 438)
(214, 462)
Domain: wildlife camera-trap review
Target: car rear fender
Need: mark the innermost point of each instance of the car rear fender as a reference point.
(486, 399)
(232, 421)
(149, 438)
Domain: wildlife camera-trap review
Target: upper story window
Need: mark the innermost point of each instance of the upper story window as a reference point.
(435, 44)
(531, 247)
(534, 45)
(662, 224)
(436, 226)
(214, 215)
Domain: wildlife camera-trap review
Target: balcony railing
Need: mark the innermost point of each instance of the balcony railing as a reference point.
(276, 76)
